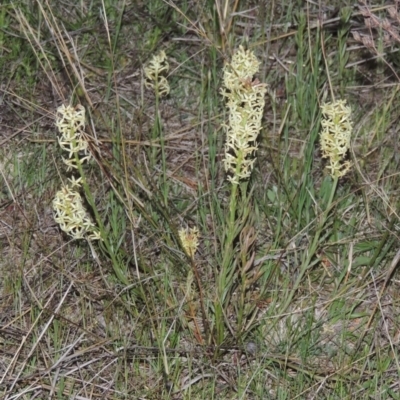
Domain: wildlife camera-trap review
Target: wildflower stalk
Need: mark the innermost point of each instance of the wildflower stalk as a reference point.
(71, 123)
(155, 79)
(335, 143)
(189, 240)
(245, 102)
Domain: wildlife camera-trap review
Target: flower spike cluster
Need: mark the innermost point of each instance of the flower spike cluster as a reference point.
(68, 208)
(335, 136)
(70, 214)
(71, 123)
(154, 78)
(245, 103)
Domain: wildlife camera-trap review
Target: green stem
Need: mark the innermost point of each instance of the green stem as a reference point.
(306, 265)
(89, 197)
(203, 309)
(230, 234)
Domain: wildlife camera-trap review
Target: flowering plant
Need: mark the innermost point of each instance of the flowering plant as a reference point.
(68, 208)
(245, 101)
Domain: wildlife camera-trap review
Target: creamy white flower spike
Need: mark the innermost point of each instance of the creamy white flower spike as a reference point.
(154, 74)
(335, 136)
(71, 124)
(190, 240)
(245, 103)
(70, 214)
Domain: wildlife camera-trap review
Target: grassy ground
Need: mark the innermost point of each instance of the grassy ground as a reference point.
(293, 290)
